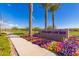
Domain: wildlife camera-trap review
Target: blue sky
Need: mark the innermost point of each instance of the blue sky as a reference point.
(67, 16)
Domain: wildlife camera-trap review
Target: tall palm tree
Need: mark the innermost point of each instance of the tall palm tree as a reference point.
(53, 8)
(46, 6)
(30, 19)
(46, 16)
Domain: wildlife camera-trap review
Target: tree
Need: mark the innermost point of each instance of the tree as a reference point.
(15, 28)
(30, 19)
(53, 8)
(50, 27)
(36, 29)
(27, 29)
(46, 6)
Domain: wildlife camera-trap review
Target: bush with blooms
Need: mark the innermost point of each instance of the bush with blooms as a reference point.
(55, 46)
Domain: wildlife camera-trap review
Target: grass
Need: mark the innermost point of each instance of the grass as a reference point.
(74, 33)
(4, 46)
(21, 32)
(26, 32)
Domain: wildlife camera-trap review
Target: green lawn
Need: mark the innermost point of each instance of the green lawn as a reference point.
(26, 32)
(4, 46)
(74, 33)
(21, 32)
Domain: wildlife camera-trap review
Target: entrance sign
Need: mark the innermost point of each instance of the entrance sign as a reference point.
(56, 34)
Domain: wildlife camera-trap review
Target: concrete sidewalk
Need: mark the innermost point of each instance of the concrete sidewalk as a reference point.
(26, 48)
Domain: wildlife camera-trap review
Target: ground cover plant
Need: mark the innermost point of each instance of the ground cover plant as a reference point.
(4, 45)
(68, 47)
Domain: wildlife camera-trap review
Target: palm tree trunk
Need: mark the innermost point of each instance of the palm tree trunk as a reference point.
(30, 19)
(53, 21)
(46, 16)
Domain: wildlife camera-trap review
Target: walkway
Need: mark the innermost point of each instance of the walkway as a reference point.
(26, 48)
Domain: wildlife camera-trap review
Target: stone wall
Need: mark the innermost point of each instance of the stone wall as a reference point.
(57, 34)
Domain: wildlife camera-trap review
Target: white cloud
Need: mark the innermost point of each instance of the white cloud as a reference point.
(4, 25)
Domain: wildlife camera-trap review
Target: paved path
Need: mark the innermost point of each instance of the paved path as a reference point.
(26, 48)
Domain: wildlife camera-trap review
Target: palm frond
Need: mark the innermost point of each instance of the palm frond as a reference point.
(54, 7)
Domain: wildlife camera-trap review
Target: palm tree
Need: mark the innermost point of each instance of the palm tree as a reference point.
(30, 19)
(46, 6)
(53, 8)
(46, 16)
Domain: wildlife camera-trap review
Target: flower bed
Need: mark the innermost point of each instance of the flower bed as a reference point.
(68, 47)
(71, 47)
(55, 46)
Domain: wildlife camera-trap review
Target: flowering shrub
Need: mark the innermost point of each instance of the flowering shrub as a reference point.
(55, 46)
(77, 52)
(71, 47)
(68, 47)
(45, 45)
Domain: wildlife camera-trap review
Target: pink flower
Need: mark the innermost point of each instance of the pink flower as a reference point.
(57, 49)
(77, 52)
